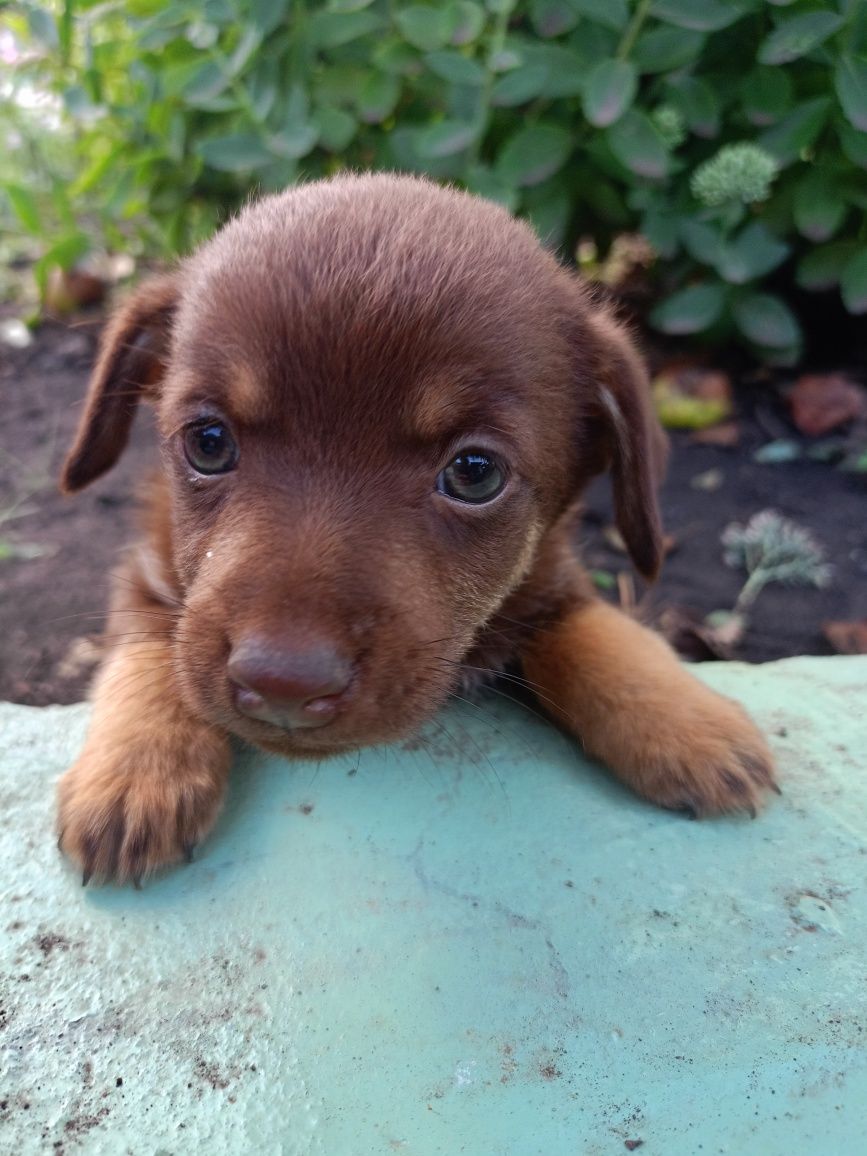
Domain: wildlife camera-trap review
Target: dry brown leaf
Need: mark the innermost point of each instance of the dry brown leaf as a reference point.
(727, 434)
(820, 402)
(847, 637)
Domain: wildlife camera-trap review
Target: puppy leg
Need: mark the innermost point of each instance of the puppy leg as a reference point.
(149, 782)
(622, 691)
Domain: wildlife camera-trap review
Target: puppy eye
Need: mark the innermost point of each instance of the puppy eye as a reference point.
(473, 476)
(210, 448)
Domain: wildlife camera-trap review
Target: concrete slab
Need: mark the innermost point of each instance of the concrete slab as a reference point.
(472, 945)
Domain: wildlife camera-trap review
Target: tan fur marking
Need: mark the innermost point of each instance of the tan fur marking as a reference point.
(622, 691)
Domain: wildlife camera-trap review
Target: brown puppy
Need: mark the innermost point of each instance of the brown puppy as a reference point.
(379, 401)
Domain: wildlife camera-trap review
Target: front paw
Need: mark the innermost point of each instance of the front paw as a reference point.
(122, 814)
(703, 756)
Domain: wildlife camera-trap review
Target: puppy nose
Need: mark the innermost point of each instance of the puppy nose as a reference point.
(289, 684)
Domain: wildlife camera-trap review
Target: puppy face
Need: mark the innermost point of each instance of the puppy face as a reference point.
(375, 398)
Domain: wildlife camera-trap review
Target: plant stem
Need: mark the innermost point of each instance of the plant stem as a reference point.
(631, 34)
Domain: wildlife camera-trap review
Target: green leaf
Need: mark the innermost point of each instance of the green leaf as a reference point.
(347, 5)
(854, 145)
(665, 49)
(519, 86)
(553, 17)
(636, 143)
(818, 207)
(787, 140)
(469, 22)
(613, 14)
(292, 142)
(661, 230)
(377, 97)
(698, 104)
(853, 283)
(484, 182)
(566, 71)
(251, 39)
(24, 208)
(850, 81)
(336, 128)
(333, 29)
(266, 15)
(766, 95)
(456, 68)
(702, 241)
(766, 320)
(823, 266)
(548, 208)
(700, 15)
(533, 154)
(236, 153)
(446, 138)
(42, 27)
(799, 35)
(752, 254)
(426, 27)
(610, 90)
(206, 82)
(690, 310)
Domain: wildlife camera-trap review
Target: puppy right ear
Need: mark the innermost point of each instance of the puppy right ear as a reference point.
(132, 361)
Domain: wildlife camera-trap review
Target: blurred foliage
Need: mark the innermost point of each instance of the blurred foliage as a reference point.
(731, 133)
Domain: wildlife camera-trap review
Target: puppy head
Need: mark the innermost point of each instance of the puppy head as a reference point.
(375, 396)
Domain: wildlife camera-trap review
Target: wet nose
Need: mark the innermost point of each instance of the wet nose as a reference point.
(289, 683)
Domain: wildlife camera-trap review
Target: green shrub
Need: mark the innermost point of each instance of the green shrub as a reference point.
(731, 133)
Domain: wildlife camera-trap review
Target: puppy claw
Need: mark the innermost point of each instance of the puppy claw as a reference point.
(189, 851)
(117, 826)
(86, 877)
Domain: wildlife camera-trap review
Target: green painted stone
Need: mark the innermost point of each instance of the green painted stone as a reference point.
(471, 944)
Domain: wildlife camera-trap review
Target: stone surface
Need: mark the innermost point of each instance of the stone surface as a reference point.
(472, 943)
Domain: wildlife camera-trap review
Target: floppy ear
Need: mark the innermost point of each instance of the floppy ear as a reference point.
(132, 359)
(626, 438)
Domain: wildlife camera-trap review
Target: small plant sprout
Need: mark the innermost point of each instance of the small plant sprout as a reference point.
(770, 548)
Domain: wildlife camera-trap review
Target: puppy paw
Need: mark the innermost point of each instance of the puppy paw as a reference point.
(703, 756)
(124, 814)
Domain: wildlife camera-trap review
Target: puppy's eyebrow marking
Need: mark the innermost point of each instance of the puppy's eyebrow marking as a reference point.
(441, 408)
(244, 393)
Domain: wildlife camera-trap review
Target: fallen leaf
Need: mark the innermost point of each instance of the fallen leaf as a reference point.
(691, 637)
(688, 397)
(726, 434)
(820, 402)
(71, 289)
(847, 637)
(777, 452)
(709, 481)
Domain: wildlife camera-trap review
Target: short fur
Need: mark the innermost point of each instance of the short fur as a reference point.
(355, 335)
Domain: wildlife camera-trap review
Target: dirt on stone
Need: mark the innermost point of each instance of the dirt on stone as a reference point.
(56, 552)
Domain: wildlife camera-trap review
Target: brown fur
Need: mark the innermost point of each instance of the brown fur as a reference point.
(355, 335)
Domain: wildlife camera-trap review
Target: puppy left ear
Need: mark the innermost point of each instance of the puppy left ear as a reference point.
(131, 364)
(626, 438)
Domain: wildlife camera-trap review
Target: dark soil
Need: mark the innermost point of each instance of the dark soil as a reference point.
(56, 553)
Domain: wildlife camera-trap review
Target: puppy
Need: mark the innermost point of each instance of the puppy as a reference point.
(379, 401)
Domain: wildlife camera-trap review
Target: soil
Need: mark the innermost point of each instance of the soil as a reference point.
(56, 553)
